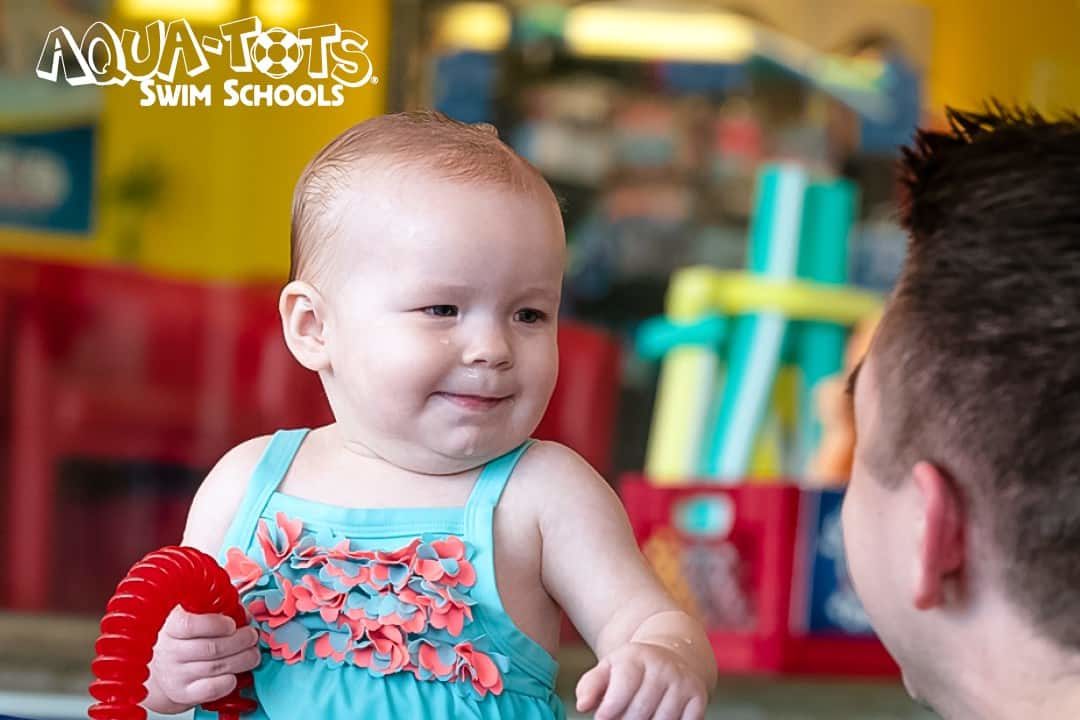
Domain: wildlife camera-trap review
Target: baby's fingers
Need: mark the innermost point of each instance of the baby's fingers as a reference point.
(240, 662)
(183, 625)
(672, 706)
(208, 689)
(211, 649)
(591, 686)
(695, 709)
(623, 685)
(646, 700)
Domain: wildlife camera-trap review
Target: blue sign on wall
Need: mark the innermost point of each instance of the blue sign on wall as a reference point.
(831, 605)
(47, 179)
(465, 85)
(903, 85)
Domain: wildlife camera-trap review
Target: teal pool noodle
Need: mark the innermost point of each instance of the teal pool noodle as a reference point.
(659, 335)
(756, 341)
(828, 216)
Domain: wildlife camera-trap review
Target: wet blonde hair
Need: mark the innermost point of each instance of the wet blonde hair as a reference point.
(426, 141)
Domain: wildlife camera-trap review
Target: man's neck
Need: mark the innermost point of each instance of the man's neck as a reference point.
(1012, 681)
(1063, 704)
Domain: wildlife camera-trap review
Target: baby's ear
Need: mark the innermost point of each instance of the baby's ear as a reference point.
(303, 320)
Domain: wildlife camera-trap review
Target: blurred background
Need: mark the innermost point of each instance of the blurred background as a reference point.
(726, 171)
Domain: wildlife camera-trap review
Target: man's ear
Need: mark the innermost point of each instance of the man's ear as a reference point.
(940, 550)
(303, 320)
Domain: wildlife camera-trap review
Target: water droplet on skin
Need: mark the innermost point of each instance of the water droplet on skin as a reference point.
(472, 373)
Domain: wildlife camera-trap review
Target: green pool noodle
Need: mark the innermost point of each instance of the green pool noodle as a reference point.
(756, 340)
(819, 346)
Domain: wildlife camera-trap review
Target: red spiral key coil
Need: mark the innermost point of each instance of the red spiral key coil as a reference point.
(155, 585)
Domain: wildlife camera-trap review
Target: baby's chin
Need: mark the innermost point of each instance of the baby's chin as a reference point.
(472, 449)
(482, 450)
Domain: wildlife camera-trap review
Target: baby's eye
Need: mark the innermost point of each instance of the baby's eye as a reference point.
(442, 311)
(530, 316)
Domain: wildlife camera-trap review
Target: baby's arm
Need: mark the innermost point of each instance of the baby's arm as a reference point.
(654, 659)
(197, 656)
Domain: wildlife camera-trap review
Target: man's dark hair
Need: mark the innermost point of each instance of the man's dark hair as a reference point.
(978, 355)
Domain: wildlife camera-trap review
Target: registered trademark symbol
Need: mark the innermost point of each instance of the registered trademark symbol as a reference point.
(375, 80)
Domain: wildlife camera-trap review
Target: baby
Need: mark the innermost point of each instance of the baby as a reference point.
(412, 559)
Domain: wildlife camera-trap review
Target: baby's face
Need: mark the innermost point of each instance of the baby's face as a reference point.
(444, 321)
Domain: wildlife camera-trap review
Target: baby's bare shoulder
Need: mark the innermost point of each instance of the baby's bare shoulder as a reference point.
(220, 495)
(551, 475)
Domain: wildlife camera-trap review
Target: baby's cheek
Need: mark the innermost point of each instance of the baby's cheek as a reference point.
(547, 375)
(402, 351)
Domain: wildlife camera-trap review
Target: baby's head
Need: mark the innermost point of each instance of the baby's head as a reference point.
(427, 263)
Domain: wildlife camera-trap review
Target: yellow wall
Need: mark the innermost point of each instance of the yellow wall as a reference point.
(1026, 52)
(228, 172)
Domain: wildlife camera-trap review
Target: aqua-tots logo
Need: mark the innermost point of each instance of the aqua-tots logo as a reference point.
(333, 58)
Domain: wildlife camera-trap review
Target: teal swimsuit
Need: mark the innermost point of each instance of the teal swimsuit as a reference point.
(381, 613)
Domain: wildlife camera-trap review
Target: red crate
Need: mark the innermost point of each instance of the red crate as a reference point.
(762, 565)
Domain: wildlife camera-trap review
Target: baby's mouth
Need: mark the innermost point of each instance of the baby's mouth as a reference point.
(474, 402)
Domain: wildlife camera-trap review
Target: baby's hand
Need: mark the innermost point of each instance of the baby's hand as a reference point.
(197, 657)
(641, 681)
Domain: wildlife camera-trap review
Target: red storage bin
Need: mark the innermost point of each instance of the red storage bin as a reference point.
(581, 414)
(115, 365)
(759, 564)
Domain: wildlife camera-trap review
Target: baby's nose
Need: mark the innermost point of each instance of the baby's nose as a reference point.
(490, 349)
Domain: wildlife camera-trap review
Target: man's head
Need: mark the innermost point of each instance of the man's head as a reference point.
(965, 497)
(427, 271)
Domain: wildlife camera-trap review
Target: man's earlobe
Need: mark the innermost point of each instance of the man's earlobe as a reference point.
(941, 545)
(303, 320)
